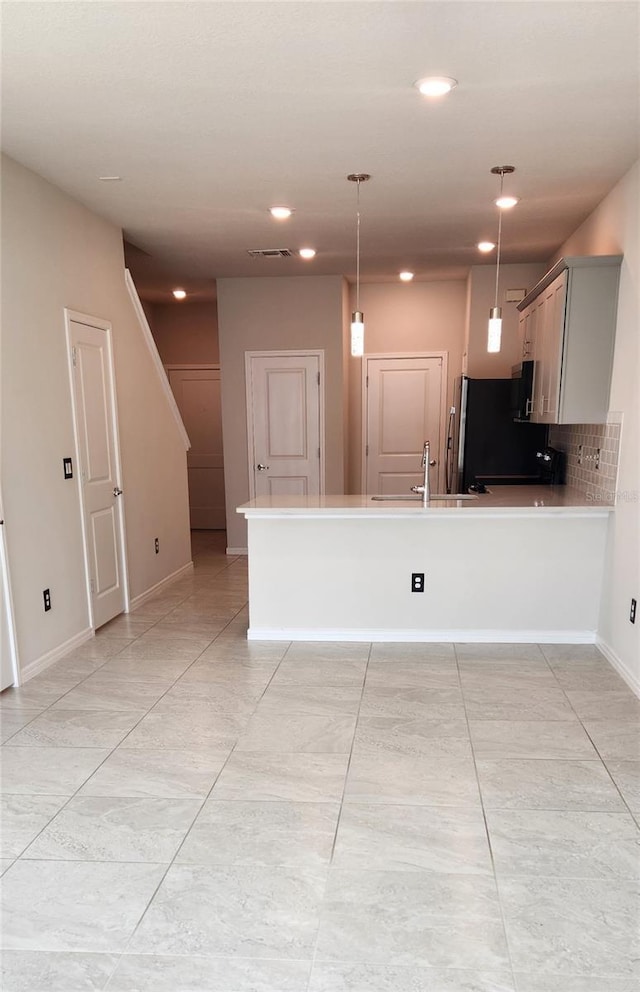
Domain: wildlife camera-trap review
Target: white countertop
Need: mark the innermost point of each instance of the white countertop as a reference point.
(519, 501)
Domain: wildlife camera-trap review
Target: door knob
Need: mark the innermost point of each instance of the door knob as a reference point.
(432, 462)
(117, 491)
(261, 467)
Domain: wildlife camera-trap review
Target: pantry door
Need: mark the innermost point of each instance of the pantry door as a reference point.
(405, 403)
(98, 464)
(285, 423)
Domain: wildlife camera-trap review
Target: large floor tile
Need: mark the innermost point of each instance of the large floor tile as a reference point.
(48, 971)
(320, 700)
(38, 693)
(53, 771)
(163, 773)
(78, 728)
(305, 670)
(541, 784)
(416, 674)
(499, 652)
(102, 693)
(564, 844)
(410, 702)
(154, 647)
(598, 704)
(196, 726)
(94, 828)
(496, 703)
(223, 698)
(124, 625)
(572, 652)
(396, 736)
(573, 983)
(420, 780)
(144, 670)
(411, 918)
(11, 721)
(233, 912)
(531, 739)
(62, 906)
(412, 838)
(493, 679)
(413, 651)
(626, 775)
(615, 739)
(289, 777)
(262, 833)
(98, 648)
(166, 973)
(289, 731)
(572, 926)
(22, 818)
(226, 648)
(591, 675)
(328, 651)
(327, 977)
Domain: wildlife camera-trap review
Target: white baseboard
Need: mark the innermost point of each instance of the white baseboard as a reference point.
(45, 660)
(237, 551)
(159, 586)
(422, 636)
(620, 667)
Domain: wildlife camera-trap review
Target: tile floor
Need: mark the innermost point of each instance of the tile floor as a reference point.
(184, 811)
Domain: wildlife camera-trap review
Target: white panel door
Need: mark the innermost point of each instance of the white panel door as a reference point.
(7, 661)
(283, 404)
(94, 403)
(403, 410)
(197, 393)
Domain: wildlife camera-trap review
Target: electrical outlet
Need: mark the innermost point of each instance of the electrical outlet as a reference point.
(46, 595)
(632, 611)
(597, 465)
(580, 447)
(417, 582)
(156, 545)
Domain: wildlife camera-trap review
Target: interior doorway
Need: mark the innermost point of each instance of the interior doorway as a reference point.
(285, 423)
(98, 464)
(404, 406)
(197, 393)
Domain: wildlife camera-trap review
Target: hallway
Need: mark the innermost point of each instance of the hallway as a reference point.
(186, 811)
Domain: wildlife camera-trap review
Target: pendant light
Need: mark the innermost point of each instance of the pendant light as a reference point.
(494, 331)
(357, 317)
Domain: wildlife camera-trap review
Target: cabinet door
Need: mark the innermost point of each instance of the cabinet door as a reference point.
(554, 339)
(538, 317)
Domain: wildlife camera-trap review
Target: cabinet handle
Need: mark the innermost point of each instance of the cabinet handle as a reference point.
(528, 408)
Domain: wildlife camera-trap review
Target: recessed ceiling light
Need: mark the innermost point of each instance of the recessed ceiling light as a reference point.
(506, 202)
(306, 252)
(485, 246)
(110, 179)
(435, 85)
(406, 276)
(179, 294)
(280, 213)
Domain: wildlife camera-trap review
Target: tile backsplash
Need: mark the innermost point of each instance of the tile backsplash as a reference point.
(591, 452)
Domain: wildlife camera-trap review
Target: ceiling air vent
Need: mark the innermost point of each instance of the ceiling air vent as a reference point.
(269, 252)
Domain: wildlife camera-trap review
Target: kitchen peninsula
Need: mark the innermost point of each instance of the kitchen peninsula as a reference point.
(521, 564)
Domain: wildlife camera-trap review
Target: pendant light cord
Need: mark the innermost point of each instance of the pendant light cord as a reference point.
(358, 248)
(499, 240)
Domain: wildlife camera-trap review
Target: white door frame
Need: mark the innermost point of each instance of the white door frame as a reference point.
(103, 325)
(305, 352)
(8, 599)
(444, 389)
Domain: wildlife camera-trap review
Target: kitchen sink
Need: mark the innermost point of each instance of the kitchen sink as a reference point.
(417, 498)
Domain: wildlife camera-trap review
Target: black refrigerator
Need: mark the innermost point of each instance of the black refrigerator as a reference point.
(485, 445)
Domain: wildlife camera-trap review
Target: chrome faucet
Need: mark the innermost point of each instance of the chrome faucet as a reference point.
(426, 463)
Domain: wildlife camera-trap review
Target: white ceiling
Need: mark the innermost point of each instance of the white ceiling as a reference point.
(213, 111)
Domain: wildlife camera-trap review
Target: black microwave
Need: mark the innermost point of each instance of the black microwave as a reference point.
(522, 390)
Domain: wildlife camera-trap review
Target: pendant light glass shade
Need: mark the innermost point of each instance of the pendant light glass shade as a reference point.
(357, 317)
(494, 329)
(357, 334)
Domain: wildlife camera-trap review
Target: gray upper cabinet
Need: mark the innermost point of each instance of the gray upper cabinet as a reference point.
(568, 324)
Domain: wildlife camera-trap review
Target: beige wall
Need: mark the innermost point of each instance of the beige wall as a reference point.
(277, 314)
(185, 332)
(58, 254)
(482, 284)
(610, 230)
(414, 317)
